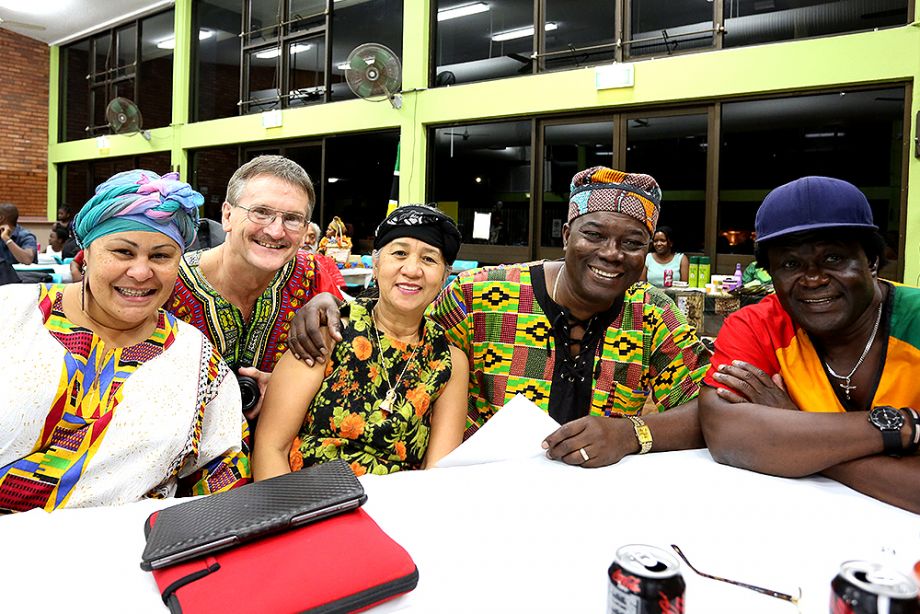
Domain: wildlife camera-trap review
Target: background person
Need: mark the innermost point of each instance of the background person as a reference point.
(393, 394)
(17, 245)
(243, 293)
(821, 377)
(580, 338)
(115, 399)
(664, 257)
(57, 237)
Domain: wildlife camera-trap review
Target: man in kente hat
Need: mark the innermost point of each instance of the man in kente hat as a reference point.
(822, 376)
(243, 293)
(579, 337)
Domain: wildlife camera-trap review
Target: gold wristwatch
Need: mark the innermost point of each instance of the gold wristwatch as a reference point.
(643, 434)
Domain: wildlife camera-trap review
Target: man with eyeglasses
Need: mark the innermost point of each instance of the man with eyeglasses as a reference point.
(243, 293)
(579, 337)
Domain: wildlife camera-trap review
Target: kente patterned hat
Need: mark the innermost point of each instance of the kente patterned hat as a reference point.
(603, 189)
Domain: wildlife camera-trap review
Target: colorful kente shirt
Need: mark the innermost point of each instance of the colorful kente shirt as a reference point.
(345, 419)
(765, 336)
(83, 424)
(261, 341)
(499, 317)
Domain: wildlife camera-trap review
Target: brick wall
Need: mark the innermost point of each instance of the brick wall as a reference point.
(24, 123)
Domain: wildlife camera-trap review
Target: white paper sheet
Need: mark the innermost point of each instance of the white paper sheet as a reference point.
(516, 431)
(482, 224)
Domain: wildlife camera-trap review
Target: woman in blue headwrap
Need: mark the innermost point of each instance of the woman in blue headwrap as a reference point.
(106, 398)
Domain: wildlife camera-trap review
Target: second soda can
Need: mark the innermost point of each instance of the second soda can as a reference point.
(644, 580)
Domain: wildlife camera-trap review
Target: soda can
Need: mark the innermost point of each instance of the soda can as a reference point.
(644, 580)
(668, 278)
(862, 587)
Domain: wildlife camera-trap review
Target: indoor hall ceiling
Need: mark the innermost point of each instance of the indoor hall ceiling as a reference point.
(55, 21)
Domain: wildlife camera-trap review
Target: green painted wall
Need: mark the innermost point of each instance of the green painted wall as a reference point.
(882, 56)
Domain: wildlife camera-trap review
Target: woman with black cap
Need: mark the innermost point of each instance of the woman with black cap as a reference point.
(393, 395)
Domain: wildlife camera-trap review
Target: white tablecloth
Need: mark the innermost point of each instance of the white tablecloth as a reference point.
(529, 535)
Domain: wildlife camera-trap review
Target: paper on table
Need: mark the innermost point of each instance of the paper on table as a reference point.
(482, 224)
(514, 432)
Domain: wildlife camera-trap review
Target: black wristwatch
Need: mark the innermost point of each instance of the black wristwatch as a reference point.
(889, 421)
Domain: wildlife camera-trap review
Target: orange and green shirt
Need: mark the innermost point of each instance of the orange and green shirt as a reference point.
(765, 336)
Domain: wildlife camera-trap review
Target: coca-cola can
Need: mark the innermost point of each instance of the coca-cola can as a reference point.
(863, 587)
(668, 278)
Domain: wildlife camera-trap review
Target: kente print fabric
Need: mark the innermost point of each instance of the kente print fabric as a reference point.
(262, 340)
(495, 316)
(605, 189)
(84, 424)
(765, 336)
(345, 419)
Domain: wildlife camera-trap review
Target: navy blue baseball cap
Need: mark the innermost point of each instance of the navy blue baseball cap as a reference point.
(812, 203)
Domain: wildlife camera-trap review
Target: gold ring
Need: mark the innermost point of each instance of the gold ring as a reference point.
(584, 454)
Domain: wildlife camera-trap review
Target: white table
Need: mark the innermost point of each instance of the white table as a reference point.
(357, 276)
(51, 268)
(521, 536)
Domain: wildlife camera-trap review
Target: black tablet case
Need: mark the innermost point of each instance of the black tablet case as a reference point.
(216, 522)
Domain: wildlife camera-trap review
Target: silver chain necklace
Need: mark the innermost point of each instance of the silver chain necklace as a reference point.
(390, 398)
(846, 384)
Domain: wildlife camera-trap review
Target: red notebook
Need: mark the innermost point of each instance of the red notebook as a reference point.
(345, 563)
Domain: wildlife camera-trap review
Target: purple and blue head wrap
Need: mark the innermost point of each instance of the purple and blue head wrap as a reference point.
(140, 200)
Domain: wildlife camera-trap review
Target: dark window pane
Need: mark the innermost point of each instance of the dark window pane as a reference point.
(100, 99)
(75, 187)
(305, 15)
(264, 17)
(264, 90)
(496, 42)
(569, 148)
(663, 27)
(575, 25)
(75, 115)
(81, 178)
(156, 70)
(102, 57)
(856, 136)
(125, 89)
(378, 21)
(127, 46)
(485, 169)
(217, 76)
(211, 172)
(674, 151)
(359, 192)
(310, 157)
(307, 65)
(749, 22)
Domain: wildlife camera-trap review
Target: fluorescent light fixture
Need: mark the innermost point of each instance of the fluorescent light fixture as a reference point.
(343, 66)
(332, 179)
(521, 33)
(462, 11)
(273, 53)
(170, 43)
(823, 135)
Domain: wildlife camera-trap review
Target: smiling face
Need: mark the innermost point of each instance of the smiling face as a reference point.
(129, 275)
(662, 244)
(604, 256)
(409, 273)
(265, 247)
(825, 285)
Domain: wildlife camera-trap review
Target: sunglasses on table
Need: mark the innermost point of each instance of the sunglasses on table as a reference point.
(264, 216)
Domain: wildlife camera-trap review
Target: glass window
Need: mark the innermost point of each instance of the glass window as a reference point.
(102, 49)
(495, 42)
(216, 84)
(75, 109)
(211, 172)
(378, 21)
(663, 27)
(155, 73)
(485, 169)
(749, 22)
(264, 17)
(567, 149)
(262, 68)
(673, 150)
(79, 179)
(306, 14)
(127, 49)
(307, 65)
(852, 135)
(573, 27)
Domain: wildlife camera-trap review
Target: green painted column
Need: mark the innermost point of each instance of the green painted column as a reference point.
(412, 136)
(54, 92)
(182, 70)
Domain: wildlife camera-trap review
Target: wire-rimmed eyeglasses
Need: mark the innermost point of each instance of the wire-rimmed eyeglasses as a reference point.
(758, 589)
(263, 216)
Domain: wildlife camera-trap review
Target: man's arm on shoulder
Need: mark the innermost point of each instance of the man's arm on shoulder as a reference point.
(892, 480)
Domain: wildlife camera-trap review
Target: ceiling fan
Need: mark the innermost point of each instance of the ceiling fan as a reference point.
(21, 24)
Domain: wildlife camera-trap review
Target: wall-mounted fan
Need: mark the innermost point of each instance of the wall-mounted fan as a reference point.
(124, 117)
(374, 73)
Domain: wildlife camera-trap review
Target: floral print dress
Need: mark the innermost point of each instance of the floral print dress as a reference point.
(345, 419)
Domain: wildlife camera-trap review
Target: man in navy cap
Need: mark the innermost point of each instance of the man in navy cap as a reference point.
(822, 376)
